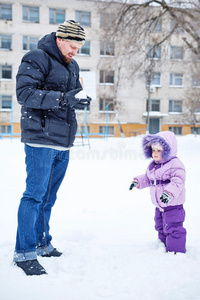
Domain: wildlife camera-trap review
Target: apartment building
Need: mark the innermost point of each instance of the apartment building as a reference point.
(159, 99)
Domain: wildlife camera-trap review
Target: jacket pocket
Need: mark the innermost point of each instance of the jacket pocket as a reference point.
(24, 123)
(31, 122)
(56, 128)
(34, 123)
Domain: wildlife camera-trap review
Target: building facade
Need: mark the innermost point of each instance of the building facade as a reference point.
(160, 100)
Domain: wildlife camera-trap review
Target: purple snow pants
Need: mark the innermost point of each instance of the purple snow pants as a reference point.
(169, 225)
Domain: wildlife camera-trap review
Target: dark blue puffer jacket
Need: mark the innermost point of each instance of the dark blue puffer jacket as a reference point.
(42, 77)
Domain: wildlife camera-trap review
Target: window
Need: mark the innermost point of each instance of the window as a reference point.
(83, 17)
(107, 76)
(29, 43)
(155, 80)
(197, 110)
(5, 102)
(176, 130)
(107, 48)
(56, 16)
(5, 42)
(85, 49)
(176, 79)
(5, 11)
(106, 104)
(5, 129)
(106, 20)
(196, 129)
(5, 72)
(154, 105)
(82, 130)
(31, 14)
(176, 52)
(155, 25)
(175, 27)
(85, 70)
(195, 81)
(175, 106)
(153, 52)
(111, 130)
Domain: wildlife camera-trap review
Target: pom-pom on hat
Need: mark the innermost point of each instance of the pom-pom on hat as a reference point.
(71, 31)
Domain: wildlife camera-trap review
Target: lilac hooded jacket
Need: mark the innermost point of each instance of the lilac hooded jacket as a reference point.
(170, 168)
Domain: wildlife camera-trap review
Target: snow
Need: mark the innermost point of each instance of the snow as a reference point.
(106, 232)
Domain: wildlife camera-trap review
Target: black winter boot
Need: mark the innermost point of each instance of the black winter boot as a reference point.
(53, 253)
(31, 267)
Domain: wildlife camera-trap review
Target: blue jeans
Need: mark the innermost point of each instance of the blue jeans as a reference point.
(45, 171)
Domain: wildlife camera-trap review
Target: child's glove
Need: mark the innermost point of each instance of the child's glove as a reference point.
(165, 197)
(133, 184)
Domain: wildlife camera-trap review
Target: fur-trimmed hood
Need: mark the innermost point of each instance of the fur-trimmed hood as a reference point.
(166, 139)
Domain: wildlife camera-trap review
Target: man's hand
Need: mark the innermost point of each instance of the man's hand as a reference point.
(69, 99)
(165, 197)
(133, 184)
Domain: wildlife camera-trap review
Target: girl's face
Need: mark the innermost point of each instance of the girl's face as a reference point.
(156, 153)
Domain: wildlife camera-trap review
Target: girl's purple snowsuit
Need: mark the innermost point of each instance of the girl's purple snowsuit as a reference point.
(166, 175)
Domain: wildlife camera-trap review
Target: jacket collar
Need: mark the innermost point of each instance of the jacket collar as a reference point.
(157, 164)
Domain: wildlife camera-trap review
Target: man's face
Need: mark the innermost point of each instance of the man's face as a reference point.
(68, 48)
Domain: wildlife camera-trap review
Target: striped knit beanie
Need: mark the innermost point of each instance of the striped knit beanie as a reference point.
(71, 31)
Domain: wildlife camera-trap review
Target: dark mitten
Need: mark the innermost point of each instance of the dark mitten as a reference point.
(133, 184)
(69, 99)
(165, 197)
(83, 103)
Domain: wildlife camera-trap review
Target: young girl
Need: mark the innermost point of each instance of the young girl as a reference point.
(165, 176)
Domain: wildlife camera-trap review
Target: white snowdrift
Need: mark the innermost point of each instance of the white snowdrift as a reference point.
(105, 231)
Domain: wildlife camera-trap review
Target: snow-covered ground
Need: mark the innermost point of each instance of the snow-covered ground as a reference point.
(105, 231)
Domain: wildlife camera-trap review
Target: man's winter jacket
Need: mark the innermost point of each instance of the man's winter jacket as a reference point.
(42, 78)
(166, 175)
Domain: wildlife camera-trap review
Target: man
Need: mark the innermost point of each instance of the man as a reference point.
(47, 84)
